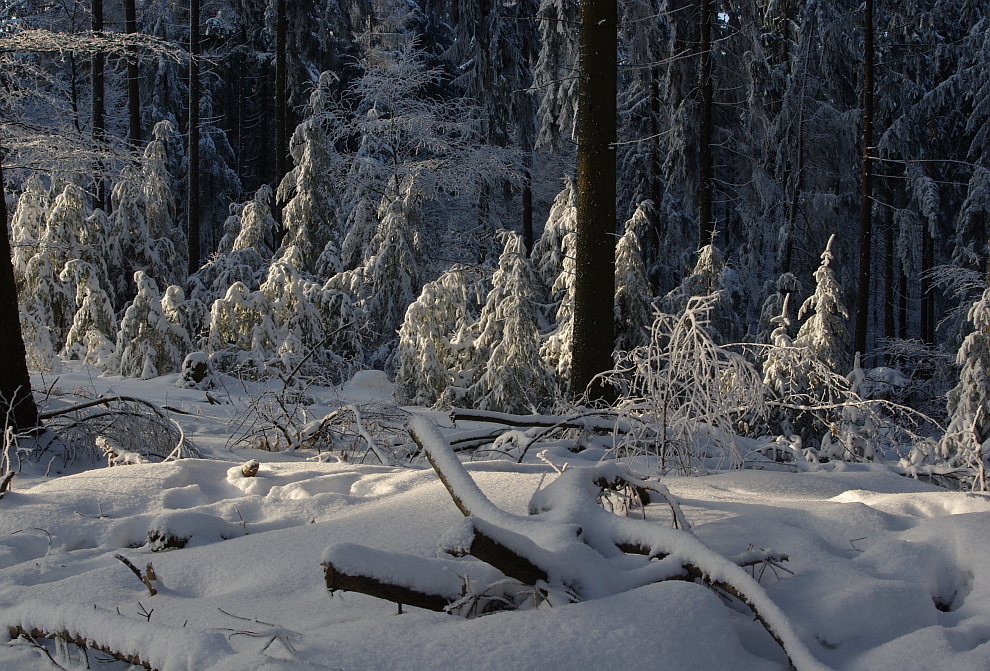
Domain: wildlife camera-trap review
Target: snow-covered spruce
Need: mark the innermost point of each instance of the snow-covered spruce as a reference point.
(967, 438)
(712, 277)
(511, 375)
(309, 191)
(149, 344)
(433, 349)
(633, 295)
(824, 332)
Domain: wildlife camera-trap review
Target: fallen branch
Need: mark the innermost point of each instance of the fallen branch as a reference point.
(583, 564)
(82, 642)
(136, 642)
(432, 584)
(5, 483)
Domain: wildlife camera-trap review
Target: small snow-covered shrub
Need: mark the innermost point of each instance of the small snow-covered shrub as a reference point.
(431, 340)
(94, 324)
(148, 343)
(511, 374)
(685, 396)
(197, 372)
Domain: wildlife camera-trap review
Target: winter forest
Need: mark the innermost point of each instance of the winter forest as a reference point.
(574, 307)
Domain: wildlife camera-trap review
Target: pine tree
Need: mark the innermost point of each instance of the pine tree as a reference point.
(966, 438)
(148, 343)
(428, 353)
(633, 296)
(824, 333)
(512, 376)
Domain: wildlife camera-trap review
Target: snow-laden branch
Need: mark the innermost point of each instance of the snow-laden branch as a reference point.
(153, 646)
(47, 41)
(574, 548)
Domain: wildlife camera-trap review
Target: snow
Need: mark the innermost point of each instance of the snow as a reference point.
(885, 572)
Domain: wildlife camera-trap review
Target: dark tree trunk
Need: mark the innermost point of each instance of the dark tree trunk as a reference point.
(99, 107)
(902, 306)
(193, 211)
(889, 273)
(281, 104)
(133, 80)
(17, 406)
(654, 233)
(706, 225)
(527, 203)
(594, 289)
(927, 287)
(866, 199)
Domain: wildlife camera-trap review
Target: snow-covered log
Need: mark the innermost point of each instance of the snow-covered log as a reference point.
(432, 584)
(153, 646)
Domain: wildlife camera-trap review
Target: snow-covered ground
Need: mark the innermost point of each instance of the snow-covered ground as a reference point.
(884, 572)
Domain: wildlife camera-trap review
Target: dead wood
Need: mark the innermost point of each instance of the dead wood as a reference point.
(495, 553)
(338, 579)
(5, 483)
(85, 643)
(146, 578)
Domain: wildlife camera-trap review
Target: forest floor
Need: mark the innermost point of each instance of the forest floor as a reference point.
(884, 572)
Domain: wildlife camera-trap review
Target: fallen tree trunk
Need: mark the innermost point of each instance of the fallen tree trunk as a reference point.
(431, 584)
(81, 641)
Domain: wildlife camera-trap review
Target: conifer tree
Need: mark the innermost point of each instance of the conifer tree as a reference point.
(309, 216)
(512, 376)
(429, 349)
(148, 343)
(824, 333)
(633, 304)
(966, 438)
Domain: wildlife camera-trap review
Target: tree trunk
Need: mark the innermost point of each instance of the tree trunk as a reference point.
(594, 287)
(889, 274)
(133, 80)
(706, 225)
(927, 287)
(866, 199)
(527, 203)
(17, 405)
(193, 211)
(99, 108)
(281, 107)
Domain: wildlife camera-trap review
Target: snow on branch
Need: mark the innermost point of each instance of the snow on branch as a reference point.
(47, 41)
(568, 549)
(152, 646)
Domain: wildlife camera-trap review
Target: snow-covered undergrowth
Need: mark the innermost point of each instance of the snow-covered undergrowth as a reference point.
(884, 572)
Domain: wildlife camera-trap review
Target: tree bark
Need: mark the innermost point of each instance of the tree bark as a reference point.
(17, 406)
(281, 107)
(866, 199)
(706, 224)
(889, 273)
(193, 211)
(99, 107)
(594, 288)
(133, 80)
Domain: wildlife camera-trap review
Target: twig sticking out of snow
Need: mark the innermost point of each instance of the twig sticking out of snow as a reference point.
(148, 577)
